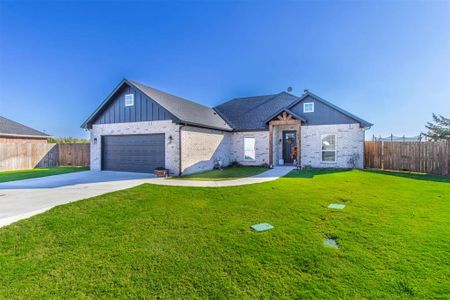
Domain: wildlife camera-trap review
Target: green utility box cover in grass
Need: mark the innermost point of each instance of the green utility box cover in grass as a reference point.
(336, 206)
(331, 243)
(261, 227)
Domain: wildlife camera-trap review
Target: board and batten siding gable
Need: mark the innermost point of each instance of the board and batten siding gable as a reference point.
(144, 109)
(323, 114)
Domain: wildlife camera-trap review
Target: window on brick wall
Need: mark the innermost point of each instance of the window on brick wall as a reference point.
(249, 148)
(328, 147)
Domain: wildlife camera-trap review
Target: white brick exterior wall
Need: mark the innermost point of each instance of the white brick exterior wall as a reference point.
(349, 140)
(261, 147)
(200, 147)
(166, 127)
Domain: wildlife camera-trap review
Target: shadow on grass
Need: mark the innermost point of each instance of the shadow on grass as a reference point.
(411, 175)
(228, 173)
(310, 173)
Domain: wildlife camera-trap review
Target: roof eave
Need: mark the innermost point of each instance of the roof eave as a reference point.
(86, 124)
(205, 126)
(251, 129)
(25, 135)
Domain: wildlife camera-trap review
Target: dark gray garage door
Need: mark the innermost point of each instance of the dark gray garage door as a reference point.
(133, 153)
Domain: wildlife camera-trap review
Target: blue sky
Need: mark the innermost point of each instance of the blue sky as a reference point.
(387, 62)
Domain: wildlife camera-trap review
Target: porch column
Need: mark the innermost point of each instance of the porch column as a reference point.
(270, 144)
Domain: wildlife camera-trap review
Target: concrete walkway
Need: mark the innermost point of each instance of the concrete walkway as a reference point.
(269, 175)
(25, 198)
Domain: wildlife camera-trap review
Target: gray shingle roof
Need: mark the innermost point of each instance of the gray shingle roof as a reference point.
(251, 113)
(185, 110)
(239, 114)
(12, 128)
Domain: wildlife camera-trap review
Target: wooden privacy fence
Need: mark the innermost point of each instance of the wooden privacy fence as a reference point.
(424, 157)
(19, 156)
(74, 154)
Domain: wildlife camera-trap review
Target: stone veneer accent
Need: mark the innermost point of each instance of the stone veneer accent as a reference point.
(166, 127)
(349, 140)
(201, 147)
(261, 145)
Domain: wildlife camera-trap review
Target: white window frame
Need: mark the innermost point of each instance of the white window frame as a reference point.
(335, 151)
(304, 107)
(129, 99)
(254, 148)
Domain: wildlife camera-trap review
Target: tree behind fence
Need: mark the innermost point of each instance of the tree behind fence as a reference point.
(428, 157)
(15, 156)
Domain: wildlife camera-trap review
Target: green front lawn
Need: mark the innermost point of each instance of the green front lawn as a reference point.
(228, 173)
(38, 172)
(181, 242)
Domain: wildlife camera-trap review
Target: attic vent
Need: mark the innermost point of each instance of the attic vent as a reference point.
(129, 100)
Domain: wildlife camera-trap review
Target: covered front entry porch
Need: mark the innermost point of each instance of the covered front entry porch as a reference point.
(285, 138)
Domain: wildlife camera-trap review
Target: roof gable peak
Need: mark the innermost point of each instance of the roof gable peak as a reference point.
(307, 93)
(284, 111)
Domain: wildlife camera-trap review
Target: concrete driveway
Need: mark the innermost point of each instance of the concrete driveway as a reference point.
(24, 198)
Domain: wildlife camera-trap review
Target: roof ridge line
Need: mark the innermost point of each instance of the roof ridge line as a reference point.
(259, 105)
(137, 85)
(241, 98)
(160, 91)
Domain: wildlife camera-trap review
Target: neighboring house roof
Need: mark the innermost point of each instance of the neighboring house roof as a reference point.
(252, 113)
(185, 110)
(11, 128)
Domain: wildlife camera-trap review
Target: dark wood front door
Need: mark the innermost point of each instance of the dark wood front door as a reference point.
(289, 143)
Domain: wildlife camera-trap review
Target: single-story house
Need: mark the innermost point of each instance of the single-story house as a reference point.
(13, 132)
(138, 128)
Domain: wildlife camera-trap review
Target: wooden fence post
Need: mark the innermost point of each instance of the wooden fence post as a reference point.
(448, 157)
